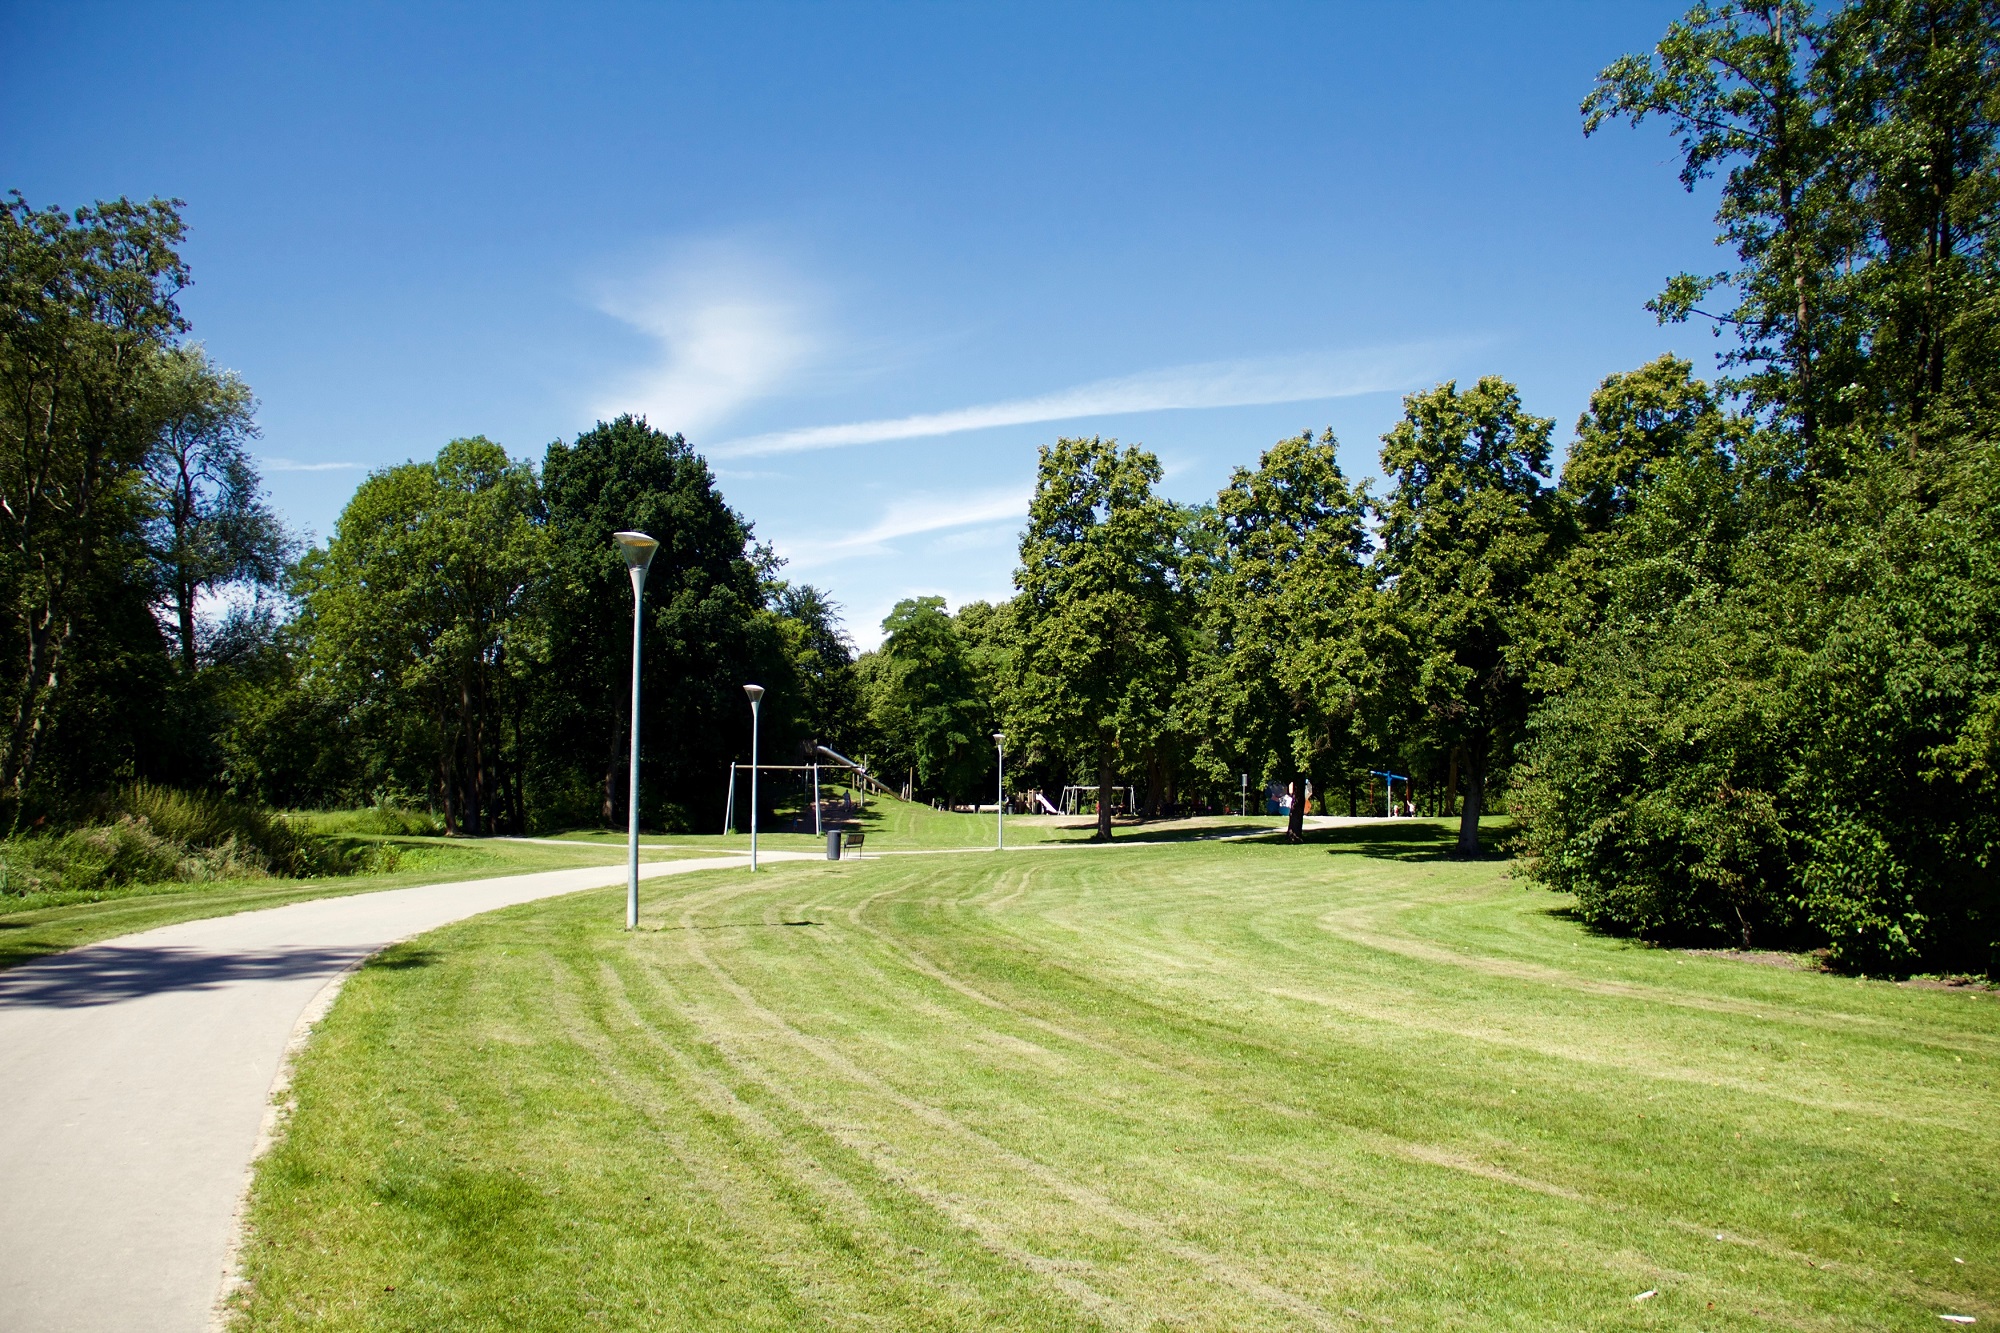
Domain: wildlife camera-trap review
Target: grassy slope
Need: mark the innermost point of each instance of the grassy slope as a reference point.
(33, 929)
(1221, 1086)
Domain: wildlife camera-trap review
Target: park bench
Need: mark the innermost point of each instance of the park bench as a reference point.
(851, 842)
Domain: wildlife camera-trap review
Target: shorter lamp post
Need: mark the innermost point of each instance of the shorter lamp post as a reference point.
(756, 693)
(638, 550)
(1246, 796)
(1000, 796)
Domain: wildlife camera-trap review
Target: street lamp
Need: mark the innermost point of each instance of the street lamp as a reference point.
(756, 693)
(1000, 797)
(1246, 796)
(638, 550)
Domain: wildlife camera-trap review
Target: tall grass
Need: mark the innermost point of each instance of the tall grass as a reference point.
(147, 834)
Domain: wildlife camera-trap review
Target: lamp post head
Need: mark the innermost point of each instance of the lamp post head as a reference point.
(999, 738)
(636, 547)
(756, 693)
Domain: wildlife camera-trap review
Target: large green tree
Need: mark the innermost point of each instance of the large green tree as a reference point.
(419, 617)
(1101, 651)
(1279, 689)
(1468, 524)
(87, 307)
(1859, 192)
(707, 633)
(209, 527)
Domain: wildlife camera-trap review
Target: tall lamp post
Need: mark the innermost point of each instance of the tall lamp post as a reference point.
(638, 550)
(1000, 796)
(756, 693)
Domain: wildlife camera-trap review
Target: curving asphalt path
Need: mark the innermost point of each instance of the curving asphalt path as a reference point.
(135, 1079)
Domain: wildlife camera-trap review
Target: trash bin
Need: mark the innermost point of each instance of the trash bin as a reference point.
(833, 844)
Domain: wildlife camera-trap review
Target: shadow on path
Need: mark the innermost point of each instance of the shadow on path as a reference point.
(108, 974)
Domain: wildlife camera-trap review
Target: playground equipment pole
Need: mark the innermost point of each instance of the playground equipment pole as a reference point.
(756, 693)
(638, 550)
(1000, 795)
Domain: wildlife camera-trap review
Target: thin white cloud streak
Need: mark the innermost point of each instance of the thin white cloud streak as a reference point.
(730, 329)
(910, 517)
(1293, 379)
(294, 465)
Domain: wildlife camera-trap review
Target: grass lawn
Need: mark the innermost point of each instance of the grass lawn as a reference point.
(1213, 1086)
(34, 926)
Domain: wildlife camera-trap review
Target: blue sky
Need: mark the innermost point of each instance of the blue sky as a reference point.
(869, 257)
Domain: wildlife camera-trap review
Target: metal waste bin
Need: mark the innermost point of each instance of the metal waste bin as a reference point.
(833, 844)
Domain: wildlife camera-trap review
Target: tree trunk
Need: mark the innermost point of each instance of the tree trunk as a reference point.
(1475, 799)
(184, 605)
(1295, 822)
(1103, 789)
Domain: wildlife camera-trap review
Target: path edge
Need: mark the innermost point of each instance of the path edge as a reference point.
(278, 1108)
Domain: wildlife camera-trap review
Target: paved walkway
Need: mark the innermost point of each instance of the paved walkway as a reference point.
(135, 1076)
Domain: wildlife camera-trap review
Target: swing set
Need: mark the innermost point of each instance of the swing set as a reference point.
(1389, 790)
(857, 779)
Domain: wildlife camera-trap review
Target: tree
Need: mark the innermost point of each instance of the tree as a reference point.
(1859, 198)
(929, 704)
(707, 632)
(418, 613)
(1280, 689)
(1100, 651)
(87, 304)
(830, 710)
(1775, 729)
(1467, 526)
(210, 527)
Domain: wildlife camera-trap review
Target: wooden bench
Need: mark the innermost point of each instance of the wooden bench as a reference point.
(851, 842)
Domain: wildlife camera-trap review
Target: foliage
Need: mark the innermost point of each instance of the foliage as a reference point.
(87, 307)
(1279, 683)
(1773, 718)
(147, 834)
(1100, 650)
(707, 634)
(1467, 526)
(830, 710)
(932, 709)
(210, 527)
(418, 617)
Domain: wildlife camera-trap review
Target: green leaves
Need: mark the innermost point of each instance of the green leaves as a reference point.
(1468, 527)
(1279, 688)
(1100, 613)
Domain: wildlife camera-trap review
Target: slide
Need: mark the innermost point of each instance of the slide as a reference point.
(1043, 801)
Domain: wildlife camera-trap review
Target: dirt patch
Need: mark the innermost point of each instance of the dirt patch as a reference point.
(1950, 983)
(1797, 962)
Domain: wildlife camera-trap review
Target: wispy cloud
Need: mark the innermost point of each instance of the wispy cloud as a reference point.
(911, 516)
(1291, 379)
(294, 465)
(731, 329)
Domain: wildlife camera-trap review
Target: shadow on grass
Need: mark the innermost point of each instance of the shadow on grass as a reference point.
(1206, 833)
(1413, 840)
(742, 925)
(399, 959)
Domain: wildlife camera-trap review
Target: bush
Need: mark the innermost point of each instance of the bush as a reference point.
(147, 834)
